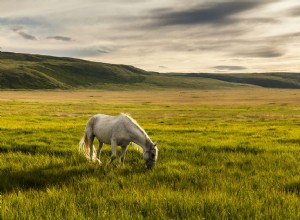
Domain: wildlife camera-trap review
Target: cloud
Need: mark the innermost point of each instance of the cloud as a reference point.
(18, 29)
(61, 38)
(163, 67)
(262, 53)
(20, 21)
(218, 13)
(229, 67)
(103, 50)
(27, 36)
(294, 12)
(283, 39)
(82, 51)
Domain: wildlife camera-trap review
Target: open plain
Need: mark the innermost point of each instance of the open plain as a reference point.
(223, 154)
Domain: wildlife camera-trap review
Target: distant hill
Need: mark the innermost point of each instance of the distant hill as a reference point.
(28, 71)
(267, 80)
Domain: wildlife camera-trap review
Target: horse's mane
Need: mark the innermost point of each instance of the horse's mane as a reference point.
(135, 123)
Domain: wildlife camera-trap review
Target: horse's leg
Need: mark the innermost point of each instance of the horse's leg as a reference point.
(123, 152)
(113, 151)
(91, 141)
(99, 152)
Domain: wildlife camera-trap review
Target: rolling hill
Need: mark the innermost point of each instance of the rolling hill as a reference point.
(267, 80)
(29, 71)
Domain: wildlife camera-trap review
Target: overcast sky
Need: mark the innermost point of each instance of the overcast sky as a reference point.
(159, 35)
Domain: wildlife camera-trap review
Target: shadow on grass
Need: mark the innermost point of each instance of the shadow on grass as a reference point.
(33, 150)
(57, 175)
(293, 188)
(41, 177)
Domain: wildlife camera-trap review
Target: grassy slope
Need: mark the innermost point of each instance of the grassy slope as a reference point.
(25, 71)
(20, 71)
(267, 80)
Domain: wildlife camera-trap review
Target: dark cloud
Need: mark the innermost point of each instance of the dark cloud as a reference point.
(103, 50)
(291, 35)
(163, 67)
(258, 20)
(26, 36)
(85, 51)
(229, 67)
(283, 39)
(262, 52)
(295, 12)
(17, 28)
(217, 13)
(61, 38)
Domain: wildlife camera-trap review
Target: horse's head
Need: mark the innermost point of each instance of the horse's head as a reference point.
(150, 156)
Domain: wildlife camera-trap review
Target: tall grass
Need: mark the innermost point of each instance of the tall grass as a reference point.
(216, 161)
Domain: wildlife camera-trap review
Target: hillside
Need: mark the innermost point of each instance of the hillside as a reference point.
(267, 80)
(28, 71)
(25, 71)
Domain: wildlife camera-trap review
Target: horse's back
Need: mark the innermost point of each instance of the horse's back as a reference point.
(102, 126)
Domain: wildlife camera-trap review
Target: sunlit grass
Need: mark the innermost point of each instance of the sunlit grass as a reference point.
(216, 161)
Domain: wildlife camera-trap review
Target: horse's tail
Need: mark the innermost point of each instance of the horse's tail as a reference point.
(85, 148)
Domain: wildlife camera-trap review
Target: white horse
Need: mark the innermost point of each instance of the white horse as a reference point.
(117, 131)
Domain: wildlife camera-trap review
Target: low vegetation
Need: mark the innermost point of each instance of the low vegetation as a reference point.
(222, 155)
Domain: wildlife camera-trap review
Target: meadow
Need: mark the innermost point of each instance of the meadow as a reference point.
(223, 154)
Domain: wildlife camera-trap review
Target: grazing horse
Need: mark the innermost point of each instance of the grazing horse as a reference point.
(117, 131)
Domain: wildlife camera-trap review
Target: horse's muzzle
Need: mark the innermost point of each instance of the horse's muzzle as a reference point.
(150, 164)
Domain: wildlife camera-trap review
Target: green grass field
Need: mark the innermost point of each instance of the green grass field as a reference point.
(222, 155)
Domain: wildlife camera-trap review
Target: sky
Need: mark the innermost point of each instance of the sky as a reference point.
(217, 36)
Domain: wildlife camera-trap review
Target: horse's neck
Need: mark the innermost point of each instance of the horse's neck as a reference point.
(140, 138)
